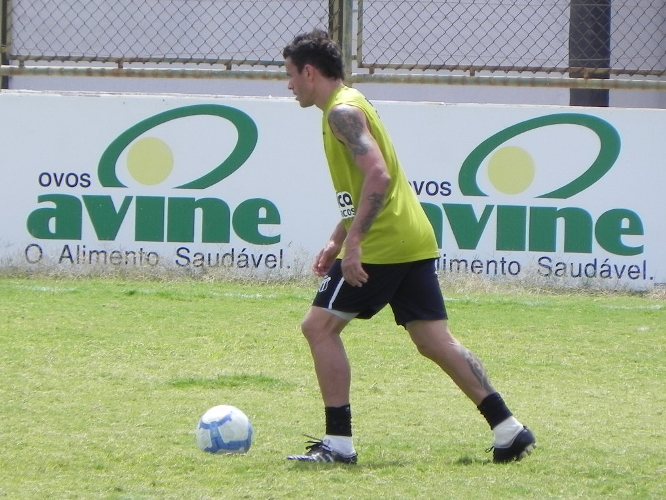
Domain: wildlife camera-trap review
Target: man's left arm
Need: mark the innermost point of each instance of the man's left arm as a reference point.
(350, 126)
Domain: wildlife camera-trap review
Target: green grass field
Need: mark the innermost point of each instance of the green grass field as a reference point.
(103, 380)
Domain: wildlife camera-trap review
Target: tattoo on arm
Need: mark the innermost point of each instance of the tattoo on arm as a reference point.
(478, 370)
(376, 202)
(349, 126)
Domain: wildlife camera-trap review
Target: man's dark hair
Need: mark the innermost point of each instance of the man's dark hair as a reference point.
(317, 49)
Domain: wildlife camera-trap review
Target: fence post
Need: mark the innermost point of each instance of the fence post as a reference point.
(347, 37)
(340, 16)
(4, 40)
(335, 20)
(589, 48)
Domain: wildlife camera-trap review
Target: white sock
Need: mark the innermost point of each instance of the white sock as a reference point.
(340, 444)
(506, 431)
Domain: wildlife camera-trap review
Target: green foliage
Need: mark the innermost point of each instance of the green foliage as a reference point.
(102, 381)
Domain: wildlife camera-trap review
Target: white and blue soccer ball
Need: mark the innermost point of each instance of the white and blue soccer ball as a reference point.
(224, 429)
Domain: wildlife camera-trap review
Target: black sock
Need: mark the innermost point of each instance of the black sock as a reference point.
(494, 409)
(338, 420)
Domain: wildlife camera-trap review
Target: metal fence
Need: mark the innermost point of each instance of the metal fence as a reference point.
(567, 43)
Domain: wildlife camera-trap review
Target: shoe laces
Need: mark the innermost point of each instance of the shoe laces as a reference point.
(314, 444)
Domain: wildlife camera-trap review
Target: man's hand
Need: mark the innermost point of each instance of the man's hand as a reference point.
(352, 270)
(325, 259)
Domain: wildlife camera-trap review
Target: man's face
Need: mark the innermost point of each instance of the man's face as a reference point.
(300, 83)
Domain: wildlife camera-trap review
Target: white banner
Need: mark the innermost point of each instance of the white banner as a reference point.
(555, 194)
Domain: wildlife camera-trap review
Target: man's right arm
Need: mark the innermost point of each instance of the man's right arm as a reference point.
(329, 253)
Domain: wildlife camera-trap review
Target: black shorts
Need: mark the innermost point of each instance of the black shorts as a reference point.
(411, 289)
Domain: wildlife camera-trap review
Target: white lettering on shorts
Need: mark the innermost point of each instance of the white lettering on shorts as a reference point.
(324, 284)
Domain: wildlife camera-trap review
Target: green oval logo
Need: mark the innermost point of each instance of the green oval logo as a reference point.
(609, 150)
(247, 140)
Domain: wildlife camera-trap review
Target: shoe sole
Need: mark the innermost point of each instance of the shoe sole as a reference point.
(527, 451)
(320, 462)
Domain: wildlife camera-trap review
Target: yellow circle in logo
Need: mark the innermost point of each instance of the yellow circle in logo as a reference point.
(511, 170)
(149, 160)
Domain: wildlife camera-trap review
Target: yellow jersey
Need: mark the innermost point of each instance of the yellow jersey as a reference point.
(401, 232)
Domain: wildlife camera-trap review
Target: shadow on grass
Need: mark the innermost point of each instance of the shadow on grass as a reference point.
(383, 464)
(467, 460)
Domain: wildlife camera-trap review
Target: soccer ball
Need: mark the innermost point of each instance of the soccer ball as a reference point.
(224, 429)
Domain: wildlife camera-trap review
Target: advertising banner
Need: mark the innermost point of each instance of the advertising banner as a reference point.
(551, 194)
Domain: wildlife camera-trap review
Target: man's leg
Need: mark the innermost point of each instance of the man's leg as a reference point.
(434, 340)
(322, 330)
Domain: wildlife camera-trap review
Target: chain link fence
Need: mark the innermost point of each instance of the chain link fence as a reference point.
(516, 35)
(574, 43)
(158, 31)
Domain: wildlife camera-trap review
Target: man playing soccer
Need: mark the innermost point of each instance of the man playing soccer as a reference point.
(383, 251)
